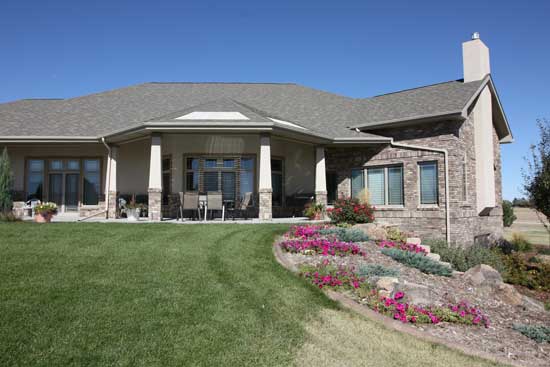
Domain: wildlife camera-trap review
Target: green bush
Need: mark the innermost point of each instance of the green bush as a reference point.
(418, 261)
(538, 333)
(9, 217)
(377, 270)
(345, 234)
(528, 274)
(508, 216)
(394, 234)
(6, 181)
(520, 243)
(464, 258)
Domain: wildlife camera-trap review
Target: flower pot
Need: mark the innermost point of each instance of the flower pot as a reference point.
(132, 214)
(316, 216)
(43, 217)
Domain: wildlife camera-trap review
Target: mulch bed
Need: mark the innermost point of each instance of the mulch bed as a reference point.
(499, 340)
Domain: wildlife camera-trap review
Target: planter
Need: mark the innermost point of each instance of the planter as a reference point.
(132, 214)
(43, 217)
(316, 216)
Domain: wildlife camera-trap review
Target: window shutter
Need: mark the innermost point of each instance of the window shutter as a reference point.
(375, 184)
(357, 182)
(395, 185)
(428, 183)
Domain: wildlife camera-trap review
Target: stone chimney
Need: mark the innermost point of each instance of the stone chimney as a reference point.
(475, 58)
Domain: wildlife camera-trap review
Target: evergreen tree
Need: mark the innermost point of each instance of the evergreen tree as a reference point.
(6, 179)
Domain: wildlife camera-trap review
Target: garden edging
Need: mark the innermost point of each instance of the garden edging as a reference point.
(388, 322)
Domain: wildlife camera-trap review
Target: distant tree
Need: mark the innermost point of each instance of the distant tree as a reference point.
(537, 178)
(6, 180)
(508, 216)
(521, 203)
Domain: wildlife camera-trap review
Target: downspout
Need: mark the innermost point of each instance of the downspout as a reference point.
(447, 199)
(108, 185)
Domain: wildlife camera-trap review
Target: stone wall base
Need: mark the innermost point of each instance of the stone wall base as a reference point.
(266, 203)
(111, 199)
(155, 205)
(321, 197)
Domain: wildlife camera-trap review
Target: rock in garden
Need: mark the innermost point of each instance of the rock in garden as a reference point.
(483, 276)
(416, 293)
(414, 240)
(435, 257)
(386, 285)
(508, 294)
(373, 230)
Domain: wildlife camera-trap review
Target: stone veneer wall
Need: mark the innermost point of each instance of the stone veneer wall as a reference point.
(427, 221)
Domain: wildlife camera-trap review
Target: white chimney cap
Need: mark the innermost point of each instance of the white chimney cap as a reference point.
(475, 35)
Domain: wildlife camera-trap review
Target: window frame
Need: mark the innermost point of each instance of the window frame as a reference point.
(386, 168)
(364, 180)
(419, 177)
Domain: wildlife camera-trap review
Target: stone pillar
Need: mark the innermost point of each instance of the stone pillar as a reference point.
(265, 189)
(320, 176)
(111, 186)
(155, 179)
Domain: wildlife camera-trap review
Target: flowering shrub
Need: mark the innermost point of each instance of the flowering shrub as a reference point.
(411, 247)
(327, 275)
(46, 208)
(321, 246)
(350, 211)
(461, 313)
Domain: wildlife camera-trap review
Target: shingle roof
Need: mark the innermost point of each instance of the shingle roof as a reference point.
(320, 112)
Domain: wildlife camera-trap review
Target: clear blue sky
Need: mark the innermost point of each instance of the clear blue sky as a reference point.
(355, 48)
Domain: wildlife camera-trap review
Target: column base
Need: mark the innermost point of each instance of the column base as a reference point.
(266, 204)
(155, 204)
(321, 197)
(112, 203)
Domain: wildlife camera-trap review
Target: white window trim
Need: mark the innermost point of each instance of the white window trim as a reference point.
(387, 186)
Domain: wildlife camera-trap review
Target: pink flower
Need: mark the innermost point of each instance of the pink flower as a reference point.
(398, 295)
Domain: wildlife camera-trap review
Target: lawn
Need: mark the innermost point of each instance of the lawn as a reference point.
(172, 295)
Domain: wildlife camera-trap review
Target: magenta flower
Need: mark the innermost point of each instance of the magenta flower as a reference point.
(399, 295)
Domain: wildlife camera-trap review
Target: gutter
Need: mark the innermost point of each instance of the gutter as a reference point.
(446, 160)
(108, 185)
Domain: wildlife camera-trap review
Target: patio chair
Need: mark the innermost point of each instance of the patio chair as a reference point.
(214, 202)
(242, 211)
(190, 201)
(29, 206)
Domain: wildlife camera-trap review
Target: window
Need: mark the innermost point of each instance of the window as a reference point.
(192, 175)
(166, 178)
(73, 165)
(385, 185)
(428, 182)
(357, 182)
(332, 187)
(91, 182)
(56, 165)
(35, 179)
(246, 177)
(277, 181)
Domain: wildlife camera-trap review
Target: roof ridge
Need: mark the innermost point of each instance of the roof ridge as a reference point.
(281, 83)
(40, 99)
(414, 88)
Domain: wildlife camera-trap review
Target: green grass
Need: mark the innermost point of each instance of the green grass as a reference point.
(172, 295)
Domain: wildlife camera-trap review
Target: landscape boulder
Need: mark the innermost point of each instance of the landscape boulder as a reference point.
(386, 285)
(483, 276)
(374, 231)
(417, 294)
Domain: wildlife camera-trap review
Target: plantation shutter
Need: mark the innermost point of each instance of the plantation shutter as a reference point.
(395, 185)
(357, 182)
(375, 185)
(428, 183)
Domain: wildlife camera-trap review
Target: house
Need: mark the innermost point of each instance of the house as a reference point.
(429, 157)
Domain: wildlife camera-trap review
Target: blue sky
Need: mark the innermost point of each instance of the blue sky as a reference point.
(355, 48)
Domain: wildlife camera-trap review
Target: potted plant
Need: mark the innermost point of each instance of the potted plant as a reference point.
(133, 210)
(44, 212)
(314, 211)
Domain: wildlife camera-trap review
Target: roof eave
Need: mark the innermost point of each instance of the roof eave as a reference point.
(451, 115)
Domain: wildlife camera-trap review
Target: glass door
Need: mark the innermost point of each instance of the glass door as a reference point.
(72, 181)
(55, 188)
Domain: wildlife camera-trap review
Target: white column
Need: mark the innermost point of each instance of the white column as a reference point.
(320, 176)
(155, 164)
(111, 183)
(112, 166)
(265, 189)
(155, 179)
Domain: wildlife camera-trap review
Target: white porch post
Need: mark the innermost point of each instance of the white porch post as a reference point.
(320, 176)
(111, 182)
(155, 179)
(265, 189)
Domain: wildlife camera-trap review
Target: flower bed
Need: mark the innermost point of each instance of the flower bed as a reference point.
(411, 247)
(321, 246)
(327, 275)
(461, 313)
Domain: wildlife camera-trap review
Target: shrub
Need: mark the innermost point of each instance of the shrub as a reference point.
(394, 234)
(538, 333)
(520, 243)
(508, 216)
(351, 211)
(327, 275)
(9, 217)
(6, 180)
(531, 275)
(411, 247)
(46, 208)
(464, 258)
(314, 210)
(345, 234)
(418, 261)
(321, 246)
(377, 270)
